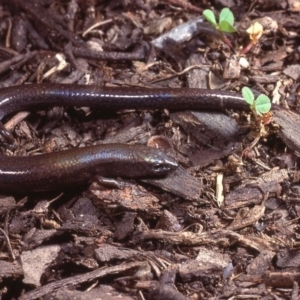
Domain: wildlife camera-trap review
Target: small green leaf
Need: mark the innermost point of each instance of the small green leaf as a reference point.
(226, 15)
(263, 104)
(248, 95)
(210, 17)
(226, 27)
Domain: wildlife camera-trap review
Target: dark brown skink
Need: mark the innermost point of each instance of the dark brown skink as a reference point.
(66, 168)
(22, 97)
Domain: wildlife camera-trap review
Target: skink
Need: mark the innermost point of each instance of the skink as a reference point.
(66, 168)
(21, 97)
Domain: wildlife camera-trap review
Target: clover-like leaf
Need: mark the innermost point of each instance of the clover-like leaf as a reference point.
(226, 27)
(248, 95)
(210, 17)
(226, 15)
(263, 104)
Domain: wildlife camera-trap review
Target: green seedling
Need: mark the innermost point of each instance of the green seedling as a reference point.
(260, 106)
(226, 20)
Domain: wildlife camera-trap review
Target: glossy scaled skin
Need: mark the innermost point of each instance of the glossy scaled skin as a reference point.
(68, 168)
(21, 97)
(64, 169)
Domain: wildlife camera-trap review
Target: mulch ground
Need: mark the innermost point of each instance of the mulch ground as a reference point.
(225, 224)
